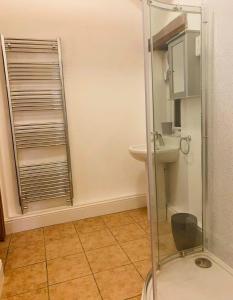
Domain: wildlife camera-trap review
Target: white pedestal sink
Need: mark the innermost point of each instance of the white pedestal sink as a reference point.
(169, 153)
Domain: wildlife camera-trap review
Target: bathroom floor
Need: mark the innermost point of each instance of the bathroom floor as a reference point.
(106, 257)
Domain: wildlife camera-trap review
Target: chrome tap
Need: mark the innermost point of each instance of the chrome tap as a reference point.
(158, 137)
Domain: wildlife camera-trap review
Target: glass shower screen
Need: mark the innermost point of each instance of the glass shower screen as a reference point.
(175, 127)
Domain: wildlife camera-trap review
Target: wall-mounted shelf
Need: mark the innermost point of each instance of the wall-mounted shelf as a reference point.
(172, 29)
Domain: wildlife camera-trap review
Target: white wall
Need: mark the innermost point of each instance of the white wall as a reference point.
(104, 84)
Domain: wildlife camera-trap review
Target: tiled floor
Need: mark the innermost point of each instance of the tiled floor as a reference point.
(105, 257)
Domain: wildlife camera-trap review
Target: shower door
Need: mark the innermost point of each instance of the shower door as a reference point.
(175, 132)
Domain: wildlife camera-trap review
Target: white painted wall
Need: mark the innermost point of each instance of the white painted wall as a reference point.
(104, 84)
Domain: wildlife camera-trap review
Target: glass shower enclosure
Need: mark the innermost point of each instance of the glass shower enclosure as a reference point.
(175, 39)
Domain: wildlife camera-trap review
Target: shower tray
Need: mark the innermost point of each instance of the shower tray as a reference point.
(182, 275)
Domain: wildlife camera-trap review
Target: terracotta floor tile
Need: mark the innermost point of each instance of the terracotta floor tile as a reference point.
(168, 240)
(106, 258)
(136, 298)
(118, 219)
(78, 289)
(165, 251)
(67, 268)
(63, 247)
(145, 226)
(128, 233)
(41, 294)
(139, 215)
(5, 244)
(59, 231)
(137, 250)
(166, 245)
(21, 239)
(90, 225)
(164, 228)
(24, 279)
(143, 267)
(97, 239)
(3, 253)
(120, 283)
(24, 256)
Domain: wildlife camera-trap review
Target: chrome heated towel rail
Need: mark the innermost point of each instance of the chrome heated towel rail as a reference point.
(35, 89)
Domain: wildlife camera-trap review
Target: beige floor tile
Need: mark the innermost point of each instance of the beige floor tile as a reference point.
(59, 231)
(21, 239)
(67, 268)
(97, 239)
(90, 225)
(143, 267)
(41, 294)
(139, 215)
(24, 279)
(106, 258)
(24, 256)
(78, 289)
(128, 233)
(63, 247)
(4, 244)
(118, 219)
(137, 250)
(120, 283)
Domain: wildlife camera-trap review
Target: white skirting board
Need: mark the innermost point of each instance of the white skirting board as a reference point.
(68, 214)
(1, 277)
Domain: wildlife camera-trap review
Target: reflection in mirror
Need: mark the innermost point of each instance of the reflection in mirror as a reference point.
(176, 76)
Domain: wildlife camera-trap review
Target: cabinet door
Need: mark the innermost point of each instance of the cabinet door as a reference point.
(177, 67)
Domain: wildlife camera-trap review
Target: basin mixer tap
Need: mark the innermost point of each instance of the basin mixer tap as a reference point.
(159, 138)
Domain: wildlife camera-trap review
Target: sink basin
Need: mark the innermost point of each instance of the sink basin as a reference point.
(139, 152)
(168, 153)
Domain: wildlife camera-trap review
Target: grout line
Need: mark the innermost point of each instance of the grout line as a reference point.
(24, 266)
(23, 293)
(131, 263)
(46, 265)
(139, 295)
(67, 280)
(113, 268)
(7, 252)
(108, 229)
(89, 264)
(137, 269)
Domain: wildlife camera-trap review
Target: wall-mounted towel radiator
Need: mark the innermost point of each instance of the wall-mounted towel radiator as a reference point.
(37, 109)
